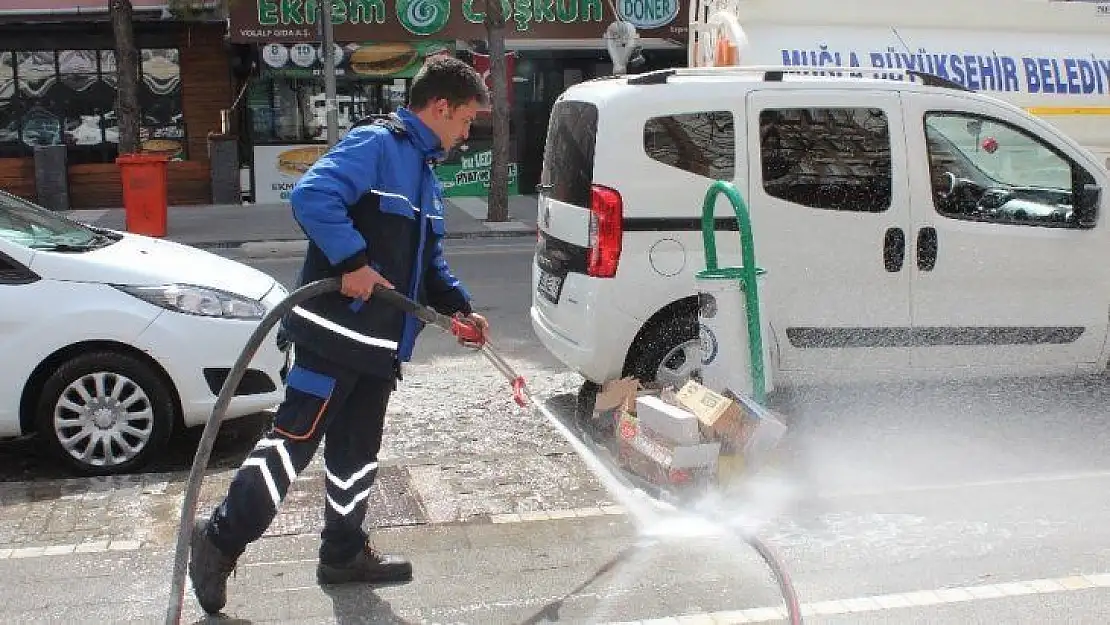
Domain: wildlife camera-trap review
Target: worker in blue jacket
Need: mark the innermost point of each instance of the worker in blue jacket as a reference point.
(372, 209)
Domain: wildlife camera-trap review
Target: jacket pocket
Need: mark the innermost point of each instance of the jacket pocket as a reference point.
(303, 413)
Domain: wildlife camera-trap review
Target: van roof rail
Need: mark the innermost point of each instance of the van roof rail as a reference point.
(775, 73)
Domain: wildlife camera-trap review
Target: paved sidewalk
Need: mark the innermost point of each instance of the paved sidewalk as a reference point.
(232, 225)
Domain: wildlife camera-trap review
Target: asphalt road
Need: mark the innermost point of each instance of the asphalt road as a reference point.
(977, 503)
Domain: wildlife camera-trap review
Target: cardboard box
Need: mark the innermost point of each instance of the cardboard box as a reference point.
(720, 417)
(731, 466)
(740, 423)
(671, 421)
(650, 456)
(614, 398)
(767, 431)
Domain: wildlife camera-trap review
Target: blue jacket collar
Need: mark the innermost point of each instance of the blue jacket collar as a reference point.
(426, 140)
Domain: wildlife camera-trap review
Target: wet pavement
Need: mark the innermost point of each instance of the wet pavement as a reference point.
(505, 525)
(979, 502)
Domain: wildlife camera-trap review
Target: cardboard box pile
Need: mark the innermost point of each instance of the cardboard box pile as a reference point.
(692, 437)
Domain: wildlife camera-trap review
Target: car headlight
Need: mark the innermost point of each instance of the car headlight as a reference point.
(197, 300)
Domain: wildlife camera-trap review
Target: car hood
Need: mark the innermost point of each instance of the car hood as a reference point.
(140, 261)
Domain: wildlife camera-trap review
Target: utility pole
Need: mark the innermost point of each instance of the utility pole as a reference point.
(331, 106)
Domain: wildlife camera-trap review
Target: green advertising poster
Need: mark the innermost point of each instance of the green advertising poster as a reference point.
(468, 175)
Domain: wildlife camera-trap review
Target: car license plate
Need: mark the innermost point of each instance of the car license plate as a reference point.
(550, 286)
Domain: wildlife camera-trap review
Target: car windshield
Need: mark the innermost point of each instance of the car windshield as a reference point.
(29, 225)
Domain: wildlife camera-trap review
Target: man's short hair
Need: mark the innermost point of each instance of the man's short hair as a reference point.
(447, 78)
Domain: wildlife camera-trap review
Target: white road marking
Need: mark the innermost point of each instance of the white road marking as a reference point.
(922, 488)
(896, 601)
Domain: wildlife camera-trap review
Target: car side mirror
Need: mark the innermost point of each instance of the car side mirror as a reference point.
(1086, 205)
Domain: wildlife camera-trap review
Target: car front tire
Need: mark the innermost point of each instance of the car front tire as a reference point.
(104, 413)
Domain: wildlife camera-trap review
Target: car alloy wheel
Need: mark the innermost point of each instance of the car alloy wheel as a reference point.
(103, 419)
(105, 412)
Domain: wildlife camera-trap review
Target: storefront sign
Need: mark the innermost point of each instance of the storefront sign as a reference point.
(645, 14)
(399, 59)
(278, 167)
(469, 175)
(292, 21)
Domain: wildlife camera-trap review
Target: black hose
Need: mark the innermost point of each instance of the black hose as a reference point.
(212, 427)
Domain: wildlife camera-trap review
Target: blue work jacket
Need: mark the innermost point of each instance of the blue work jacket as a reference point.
(374, 199)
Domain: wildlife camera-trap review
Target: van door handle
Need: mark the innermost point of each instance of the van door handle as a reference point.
(926, 248)
(894, 249)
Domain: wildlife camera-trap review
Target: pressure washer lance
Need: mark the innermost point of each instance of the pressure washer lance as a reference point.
(468, 334)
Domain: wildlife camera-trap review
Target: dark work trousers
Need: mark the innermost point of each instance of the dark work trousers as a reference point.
(321, 397)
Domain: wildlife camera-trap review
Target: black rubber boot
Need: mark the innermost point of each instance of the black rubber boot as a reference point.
(208, 570)
(367, 567)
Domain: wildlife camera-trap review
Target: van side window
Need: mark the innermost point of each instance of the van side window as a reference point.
(700, 143)
(827, 158)
(984, 169)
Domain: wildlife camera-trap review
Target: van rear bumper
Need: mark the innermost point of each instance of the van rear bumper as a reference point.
(595, 348)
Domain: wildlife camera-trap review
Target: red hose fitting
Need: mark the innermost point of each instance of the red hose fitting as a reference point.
(518, 392)
(466, 332)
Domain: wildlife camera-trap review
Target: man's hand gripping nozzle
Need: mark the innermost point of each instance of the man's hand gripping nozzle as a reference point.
(468, 333)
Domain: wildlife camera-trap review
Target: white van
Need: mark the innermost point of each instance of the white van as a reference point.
(907, 230)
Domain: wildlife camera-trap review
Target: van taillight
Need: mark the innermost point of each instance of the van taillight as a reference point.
(605, 232)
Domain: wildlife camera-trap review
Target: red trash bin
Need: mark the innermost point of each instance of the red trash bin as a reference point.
(145, 192)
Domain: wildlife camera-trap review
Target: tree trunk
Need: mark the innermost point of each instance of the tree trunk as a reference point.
(127, 73)
(499, 168)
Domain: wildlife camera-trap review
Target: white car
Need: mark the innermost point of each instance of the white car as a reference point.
(908, 230)
(111, 341)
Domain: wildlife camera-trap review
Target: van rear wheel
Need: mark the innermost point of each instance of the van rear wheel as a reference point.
(667, 353)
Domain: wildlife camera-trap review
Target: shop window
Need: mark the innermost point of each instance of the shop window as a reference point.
(9, 118)
(292, 110)
(700, 143)
(827, 158)
(67, 97)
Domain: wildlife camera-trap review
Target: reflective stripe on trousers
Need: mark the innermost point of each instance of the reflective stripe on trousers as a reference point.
(322, 400)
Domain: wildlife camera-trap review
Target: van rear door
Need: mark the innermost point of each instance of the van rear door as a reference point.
(564, 199)
(831, 213)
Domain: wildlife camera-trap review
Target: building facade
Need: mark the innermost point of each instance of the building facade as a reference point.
(58, 88)
(380, 44)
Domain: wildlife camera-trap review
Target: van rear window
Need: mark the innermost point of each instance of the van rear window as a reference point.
(568, 158)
